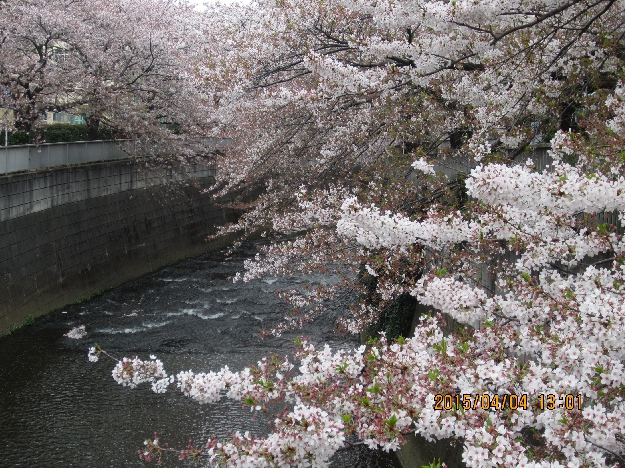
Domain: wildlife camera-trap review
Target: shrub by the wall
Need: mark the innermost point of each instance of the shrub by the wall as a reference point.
(20, 138)
(58, 133)
(61, 132)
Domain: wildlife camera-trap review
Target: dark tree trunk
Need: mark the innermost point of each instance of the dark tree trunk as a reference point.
(459, 137)
(25, 117)
(93, 127)
(567, 118)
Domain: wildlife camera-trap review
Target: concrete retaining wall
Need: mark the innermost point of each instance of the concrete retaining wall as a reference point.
(418, 452)
(460, 164)
(68, 233)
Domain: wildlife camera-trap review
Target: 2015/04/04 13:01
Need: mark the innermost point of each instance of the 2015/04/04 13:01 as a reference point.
(485, 401)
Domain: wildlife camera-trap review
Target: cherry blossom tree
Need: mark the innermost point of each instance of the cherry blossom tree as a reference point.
(138, 58)
(35, 66)
(129, 64)
(347, 112)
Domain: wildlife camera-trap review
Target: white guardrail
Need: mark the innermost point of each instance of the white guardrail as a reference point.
(30, 157)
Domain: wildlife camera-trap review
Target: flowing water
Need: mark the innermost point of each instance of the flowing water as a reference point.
(59, 410)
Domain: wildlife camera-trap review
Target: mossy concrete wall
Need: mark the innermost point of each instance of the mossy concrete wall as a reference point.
(417, 451)
(68, 233)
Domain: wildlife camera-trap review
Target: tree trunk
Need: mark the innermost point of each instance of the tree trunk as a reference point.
(93, 127)
(26, 117)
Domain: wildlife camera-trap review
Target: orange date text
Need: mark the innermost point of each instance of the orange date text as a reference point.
(483, 401)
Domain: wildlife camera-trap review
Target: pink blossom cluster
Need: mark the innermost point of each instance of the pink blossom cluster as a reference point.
(130, 372)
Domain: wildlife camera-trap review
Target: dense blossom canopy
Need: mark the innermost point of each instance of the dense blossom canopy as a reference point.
(396, 137)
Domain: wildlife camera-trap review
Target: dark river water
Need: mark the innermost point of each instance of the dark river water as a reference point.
(59, 410)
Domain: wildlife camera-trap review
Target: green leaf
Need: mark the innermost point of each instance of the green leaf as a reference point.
(375, 389)
(441, 347)
(390, 422)
(435, 464)
(267, 384)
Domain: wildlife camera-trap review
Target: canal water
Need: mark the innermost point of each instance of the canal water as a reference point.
(59, 410)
